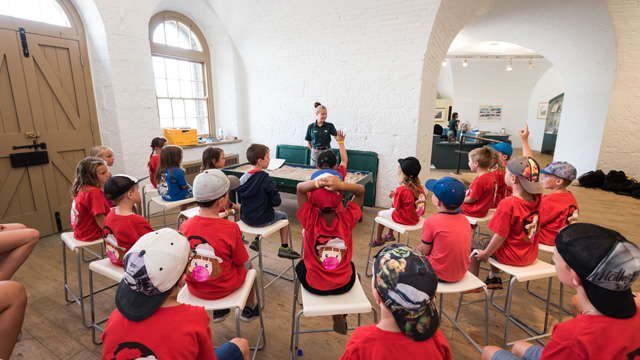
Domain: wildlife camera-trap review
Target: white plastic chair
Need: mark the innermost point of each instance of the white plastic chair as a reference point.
(148, 192)
(189, 213)
(114, 272)
(399, 228)
(77, 246)
(166, 205)
(237, 300)
(477, 220)
(353, 302)
(549, 249)
(469, 282)
(535, 271)
(263, 232)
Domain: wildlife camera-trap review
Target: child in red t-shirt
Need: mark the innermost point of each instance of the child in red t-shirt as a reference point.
(122, 227)
(498, 172)
(559, 208)
(154, 159)
(515, 222)
(601, 266)
(327, 159)
(482, 191)
(89, 206)
(409, 200)
(221, 261)
(328, 242)
(404, 287)
(213, 158)
(446, 235)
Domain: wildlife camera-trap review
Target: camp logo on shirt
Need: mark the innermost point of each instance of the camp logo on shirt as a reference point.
(114, 252)
(572, 215)
(330, 251)
(531, 226)
(205, 264)
(133, 350)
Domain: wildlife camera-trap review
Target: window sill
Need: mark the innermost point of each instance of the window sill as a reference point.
(213, 143)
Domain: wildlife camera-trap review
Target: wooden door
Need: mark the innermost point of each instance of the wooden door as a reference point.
(52, 95)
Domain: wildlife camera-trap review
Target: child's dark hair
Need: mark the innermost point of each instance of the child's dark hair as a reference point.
(256, 152)
(210, 155)
(170, 157)
(208, 204)
(157, 142)
(86, 174)
(449, 207)
(327, 159)
(483, 156)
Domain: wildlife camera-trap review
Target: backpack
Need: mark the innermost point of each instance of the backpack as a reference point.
(592, 179)
(636, 191)
(615, 181)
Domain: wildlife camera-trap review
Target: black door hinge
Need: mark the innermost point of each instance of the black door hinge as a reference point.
(23, 39)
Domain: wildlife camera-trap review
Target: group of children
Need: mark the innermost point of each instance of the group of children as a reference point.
(210, 257)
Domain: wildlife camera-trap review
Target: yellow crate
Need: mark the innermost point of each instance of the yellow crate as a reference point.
(181, 137)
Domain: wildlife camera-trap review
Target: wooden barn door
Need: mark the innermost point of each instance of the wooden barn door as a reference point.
(50, 96)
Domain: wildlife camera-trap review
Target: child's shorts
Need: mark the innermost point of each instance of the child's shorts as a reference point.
(533, 353)
(229, 351)
(277, 216)
(386, 213)
(301, 272)
(480, 243)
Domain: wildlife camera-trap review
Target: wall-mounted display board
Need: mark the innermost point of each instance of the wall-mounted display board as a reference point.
(490, 113)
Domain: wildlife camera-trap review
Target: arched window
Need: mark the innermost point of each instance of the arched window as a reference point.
(44, 11)
(181, 68)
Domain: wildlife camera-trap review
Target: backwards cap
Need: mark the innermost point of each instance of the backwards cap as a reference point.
(528, 172)
(323, 198)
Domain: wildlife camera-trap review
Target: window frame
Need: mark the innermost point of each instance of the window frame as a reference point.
(185, 54)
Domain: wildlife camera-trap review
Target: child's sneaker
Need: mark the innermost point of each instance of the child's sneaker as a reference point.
(220, 315)
(388, 238)
(377, 242)
(288, 253)
(340, 324)
(494, 284)
(245, 241)
(250, 313)
(255, 244)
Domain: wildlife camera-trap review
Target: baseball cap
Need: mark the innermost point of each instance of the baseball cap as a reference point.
(410, 166)
(327, 158)
(119, 184)
(606, 263)
(561, 169)
(323, 198)
(406, 283)
(152, 266)
(448, 190)
(213, 184)
(528, 171)
(503, 147)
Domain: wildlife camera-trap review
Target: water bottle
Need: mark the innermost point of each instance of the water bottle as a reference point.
(220, 134)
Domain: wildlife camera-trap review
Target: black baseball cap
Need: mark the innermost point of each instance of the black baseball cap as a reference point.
(327, 158)
(119, 184)
(410, 166)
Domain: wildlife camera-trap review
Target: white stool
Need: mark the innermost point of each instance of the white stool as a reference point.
(353, 302)
(189, 213)
(549, 249)
(148, 192)
(114, 272)
(237, 300)
(399, 228)
(263, 232)
(469, 282)
(167, 205)
(74, 245)
(477, 220)
(537, 270)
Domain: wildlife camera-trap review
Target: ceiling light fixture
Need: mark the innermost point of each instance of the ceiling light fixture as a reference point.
(465, 64)
(531, 66)
(509, 68)
(444, 62)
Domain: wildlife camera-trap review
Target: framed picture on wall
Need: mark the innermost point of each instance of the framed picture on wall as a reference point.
(439, 116)
(490, 113)
(543, 108)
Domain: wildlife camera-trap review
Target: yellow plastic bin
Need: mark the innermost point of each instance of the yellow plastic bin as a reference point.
(181, 137)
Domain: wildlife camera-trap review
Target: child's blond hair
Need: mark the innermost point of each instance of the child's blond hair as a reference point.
(497, 161)
(482, 156)
(86, 174)
(98, 151)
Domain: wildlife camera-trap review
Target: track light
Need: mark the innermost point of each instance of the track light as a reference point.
(465, 64)
(509, 67)
(444, 62)
(531, 66)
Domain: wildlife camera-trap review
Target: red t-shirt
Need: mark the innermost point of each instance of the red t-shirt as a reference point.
(484, 190)
(556, 211)
(595, 337)
(217, 269)
(89, 202)
(450, 237)
(501, 186)
(327, 249)
(121, 232)
(178, 332)
(370, 342)
(518, 221)
(404, 204)
(153, 166)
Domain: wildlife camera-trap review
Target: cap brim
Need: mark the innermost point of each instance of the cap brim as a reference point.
(430, 184)
(234, 182)
(141, 179)
(137, 306)
(532, 187)
(616, 304)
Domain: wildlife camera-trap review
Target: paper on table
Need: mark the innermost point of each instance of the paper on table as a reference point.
(275, 163)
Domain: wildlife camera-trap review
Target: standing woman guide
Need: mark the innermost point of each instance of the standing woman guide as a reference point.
(319, 133)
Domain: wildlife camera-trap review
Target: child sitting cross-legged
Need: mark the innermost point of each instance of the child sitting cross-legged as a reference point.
(600, 265)
(404, 287)
(221, 261)
(446, 235)
(122, 227)
(482, 191)
(328, 242)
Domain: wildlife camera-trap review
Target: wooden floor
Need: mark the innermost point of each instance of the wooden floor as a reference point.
(53, 329)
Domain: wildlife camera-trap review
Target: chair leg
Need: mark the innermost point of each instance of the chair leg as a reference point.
(296, 285)
(508, 311)
(261, 334)
(366, 268)
(260, 243)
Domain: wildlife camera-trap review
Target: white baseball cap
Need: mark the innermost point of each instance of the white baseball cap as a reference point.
(212, 184)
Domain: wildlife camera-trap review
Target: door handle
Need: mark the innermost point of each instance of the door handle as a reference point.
(32, 134)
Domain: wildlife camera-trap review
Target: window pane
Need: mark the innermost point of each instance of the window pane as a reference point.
(198, 89)
(174, 88)
(164, 109)
(183, 36)
(161, 87)
(158, 34)
(202, 108)
(183, 70)
(190, 108)
(171, 33)
(203, 126)
(192, 123)
(158, 67)
(180, 122)
(166, 123)
(185, 89)
(195, 42)
(53, 14)
(172, 68)
(196, 69)
(178, 108)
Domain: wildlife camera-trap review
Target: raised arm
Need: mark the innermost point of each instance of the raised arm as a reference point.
(343, 151)
(302, 189)
(524, 136)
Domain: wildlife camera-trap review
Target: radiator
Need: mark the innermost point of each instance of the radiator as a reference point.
(192, 168)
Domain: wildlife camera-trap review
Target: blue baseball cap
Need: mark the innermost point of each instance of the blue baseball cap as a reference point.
(448, 190)
(503, 147)
(561, 169)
